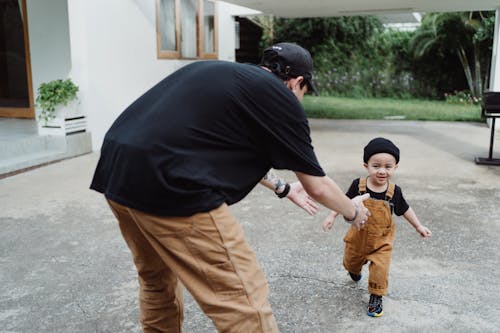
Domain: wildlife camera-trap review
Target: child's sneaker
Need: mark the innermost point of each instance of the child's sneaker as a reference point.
(355, 277)
(375, 306)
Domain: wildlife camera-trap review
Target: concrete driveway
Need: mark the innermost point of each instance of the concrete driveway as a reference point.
(65, 268)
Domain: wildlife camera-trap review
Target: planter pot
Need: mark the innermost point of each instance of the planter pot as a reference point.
(68, 120)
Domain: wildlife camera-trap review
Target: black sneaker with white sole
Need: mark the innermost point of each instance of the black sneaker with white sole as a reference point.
(375, 308)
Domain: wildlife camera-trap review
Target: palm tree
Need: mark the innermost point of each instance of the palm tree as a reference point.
(459, 32)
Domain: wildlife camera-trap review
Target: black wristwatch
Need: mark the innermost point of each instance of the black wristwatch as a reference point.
(284, 193)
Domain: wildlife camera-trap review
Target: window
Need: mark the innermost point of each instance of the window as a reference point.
(186, 29)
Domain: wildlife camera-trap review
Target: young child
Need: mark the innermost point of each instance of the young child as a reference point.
(373, 242)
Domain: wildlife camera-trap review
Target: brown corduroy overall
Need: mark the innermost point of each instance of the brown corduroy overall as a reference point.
(373, 242)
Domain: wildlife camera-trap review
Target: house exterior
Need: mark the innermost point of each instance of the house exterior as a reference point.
(114, 50)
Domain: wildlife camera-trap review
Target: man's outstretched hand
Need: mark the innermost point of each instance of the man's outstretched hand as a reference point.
(299, 196)
(363, 212)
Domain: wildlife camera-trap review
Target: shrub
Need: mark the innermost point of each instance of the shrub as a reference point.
(461, 97)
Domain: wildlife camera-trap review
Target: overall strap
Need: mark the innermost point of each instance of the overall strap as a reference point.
(362, 185)
(390, 191)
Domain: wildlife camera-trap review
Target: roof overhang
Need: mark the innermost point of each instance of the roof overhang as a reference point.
(317, 8)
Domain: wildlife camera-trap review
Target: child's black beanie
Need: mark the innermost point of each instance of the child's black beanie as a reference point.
(380, 145)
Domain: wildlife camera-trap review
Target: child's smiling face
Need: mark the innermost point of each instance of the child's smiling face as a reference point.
(380, 168)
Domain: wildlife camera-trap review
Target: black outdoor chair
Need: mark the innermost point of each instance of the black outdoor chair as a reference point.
(490, 108)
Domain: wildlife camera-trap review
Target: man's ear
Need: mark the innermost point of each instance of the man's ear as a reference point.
(298, 81)
(294, 83)
(365, 165)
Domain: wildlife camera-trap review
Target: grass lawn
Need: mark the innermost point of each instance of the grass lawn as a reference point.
(388, 108)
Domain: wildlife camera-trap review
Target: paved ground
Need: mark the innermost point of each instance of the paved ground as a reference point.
(65, 268)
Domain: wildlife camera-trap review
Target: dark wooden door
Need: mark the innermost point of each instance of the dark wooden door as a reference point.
(16, 97)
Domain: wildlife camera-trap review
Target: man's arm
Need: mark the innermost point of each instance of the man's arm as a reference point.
(294, 192)
(273, 182)
(326, 192)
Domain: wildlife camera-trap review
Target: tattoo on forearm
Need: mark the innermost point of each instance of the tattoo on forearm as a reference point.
(274, 179)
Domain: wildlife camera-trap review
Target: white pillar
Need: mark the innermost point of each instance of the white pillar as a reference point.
(495, 59)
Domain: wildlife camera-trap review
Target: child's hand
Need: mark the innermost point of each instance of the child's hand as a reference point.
(424, 232)
(329, 221)
(328, 224)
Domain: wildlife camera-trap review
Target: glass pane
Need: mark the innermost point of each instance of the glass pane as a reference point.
(167, 25)
(188, 28)
(13, 75)
(236, 35)
(208, 26)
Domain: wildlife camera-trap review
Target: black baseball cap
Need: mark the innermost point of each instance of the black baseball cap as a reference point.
(291, 60)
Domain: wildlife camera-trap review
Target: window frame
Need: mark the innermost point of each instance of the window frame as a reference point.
(200, 33)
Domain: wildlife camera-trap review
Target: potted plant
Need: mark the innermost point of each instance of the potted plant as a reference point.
(59, 114)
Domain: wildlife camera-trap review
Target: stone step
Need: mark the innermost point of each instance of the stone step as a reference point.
(29, 160)
(32, 144)
(32, 151)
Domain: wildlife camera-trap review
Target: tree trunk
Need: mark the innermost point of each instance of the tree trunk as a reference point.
(477, 69)
(466, 67)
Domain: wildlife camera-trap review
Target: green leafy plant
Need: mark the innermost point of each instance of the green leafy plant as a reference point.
(52, 94)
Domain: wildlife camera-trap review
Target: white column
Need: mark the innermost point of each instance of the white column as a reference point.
(495, 59)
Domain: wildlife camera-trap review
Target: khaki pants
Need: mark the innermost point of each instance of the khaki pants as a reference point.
(207, 252)
(372, 243)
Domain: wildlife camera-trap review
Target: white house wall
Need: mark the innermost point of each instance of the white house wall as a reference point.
(114, 55)
(226, 14)
(49, 40)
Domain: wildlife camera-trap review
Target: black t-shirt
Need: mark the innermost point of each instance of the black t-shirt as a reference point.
(398, 204)
(204, 135)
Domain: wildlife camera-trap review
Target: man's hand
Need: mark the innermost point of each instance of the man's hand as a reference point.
(363, 212)
(299, 196)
